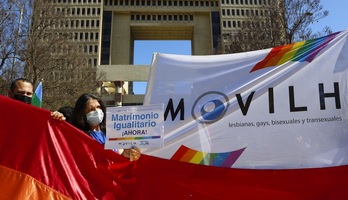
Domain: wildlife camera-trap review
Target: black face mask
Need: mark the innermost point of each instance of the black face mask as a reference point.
(22, 98)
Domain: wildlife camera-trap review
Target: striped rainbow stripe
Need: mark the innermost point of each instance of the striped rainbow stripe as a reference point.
(136, 138)
(226, 159)
(299, 51)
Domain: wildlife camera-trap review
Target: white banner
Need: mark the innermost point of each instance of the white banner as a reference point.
(284, 107)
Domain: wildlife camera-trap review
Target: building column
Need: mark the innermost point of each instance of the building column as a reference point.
(118, 93)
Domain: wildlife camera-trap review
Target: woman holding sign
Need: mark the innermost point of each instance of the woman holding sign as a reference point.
(89, 116)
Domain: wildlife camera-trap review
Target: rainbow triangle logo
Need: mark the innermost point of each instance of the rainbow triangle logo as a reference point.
(299, 51)
(225, 159)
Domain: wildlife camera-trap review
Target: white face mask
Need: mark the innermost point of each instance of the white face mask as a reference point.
(95, 117)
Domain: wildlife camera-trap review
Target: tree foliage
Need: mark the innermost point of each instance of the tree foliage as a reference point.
(51, 56)
(279, 22)
(12, 16)
(299, 15)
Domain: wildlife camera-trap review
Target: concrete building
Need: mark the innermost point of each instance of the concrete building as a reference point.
(107, 29)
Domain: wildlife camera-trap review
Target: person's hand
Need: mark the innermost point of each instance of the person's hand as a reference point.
(58, 116)
(133, 154)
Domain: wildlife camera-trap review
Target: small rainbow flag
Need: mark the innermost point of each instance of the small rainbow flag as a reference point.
(37, 97)
(299, 51)
(225, 159)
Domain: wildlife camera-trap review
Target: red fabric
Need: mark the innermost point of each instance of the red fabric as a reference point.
(60, 156)
(159, 178)
(70, 162)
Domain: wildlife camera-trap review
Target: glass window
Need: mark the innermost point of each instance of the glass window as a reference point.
(90, 49)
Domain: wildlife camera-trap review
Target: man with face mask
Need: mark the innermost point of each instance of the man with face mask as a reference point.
(22, 89)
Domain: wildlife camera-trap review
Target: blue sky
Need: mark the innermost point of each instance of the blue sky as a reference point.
(338, 15)
(143, 50)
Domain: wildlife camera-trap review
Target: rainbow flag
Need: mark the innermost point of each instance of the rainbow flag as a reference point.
(37, 97)
(296, 52)
(42, 158)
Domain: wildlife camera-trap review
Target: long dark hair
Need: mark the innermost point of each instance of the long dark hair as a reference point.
(78, 118)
